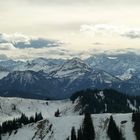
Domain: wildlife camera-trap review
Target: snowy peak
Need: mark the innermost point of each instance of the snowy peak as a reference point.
(75, 63)
(45, 61)
(128, 74)
(38, 61)
(37, 64)
(70, 68)
(104, 77)
(43, 64)
(22, 77)
(10, 65)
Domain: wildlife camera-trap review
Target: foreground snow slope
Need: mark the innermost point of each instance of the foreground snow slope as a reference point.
(60, 128)
(13, 107)
(56, 128)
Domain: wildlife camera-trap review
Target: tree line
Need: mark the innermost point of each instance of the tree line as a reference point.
(87, 132)
(9, 126)
(104, 101)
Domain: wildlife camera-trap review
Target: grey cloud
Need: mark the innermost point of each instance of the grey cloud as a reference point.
(37, 43)
(98, 43)
(133, 34)
(20, 41)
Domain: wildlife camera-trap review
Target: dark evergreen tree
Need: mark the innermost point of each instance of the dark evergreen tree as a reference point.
(24, 119)
(36, 117)
(57, 113)
(73, 134)
(88, 128)
(14, 107)
(113, 131)
(0, 129)
(32, 119)
(136, 120)
(79, 134)
(39, 117)
(67, 138)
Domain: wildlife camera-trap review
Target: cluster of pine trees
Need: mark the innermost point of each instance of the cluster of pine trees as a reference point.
(9, 126)
(86, 132)
(136, 120)
(92, 101)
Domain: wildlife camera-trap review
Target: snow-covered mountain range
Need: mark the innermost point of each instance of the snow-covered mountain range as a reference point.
(59, 82)
(58, 78)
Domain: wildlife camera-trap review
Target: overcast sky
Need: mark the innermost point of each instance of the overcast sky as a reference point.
(80, 24)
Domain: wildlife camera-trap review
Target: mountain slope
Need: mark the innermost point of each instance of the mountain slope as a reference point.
(23, 84)
(3, 72)
(116, 64)
(72, 76)
(53, 128)
(13, 107)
